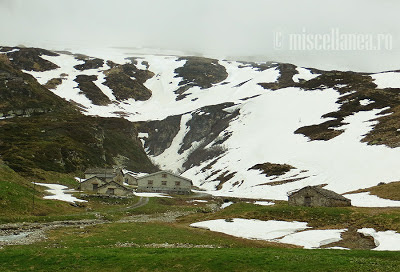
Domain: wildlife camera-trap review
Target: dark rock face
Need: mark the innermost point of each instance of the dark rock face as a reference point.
(161, 133)
(29, 59)
(201, 72)
(206, 125)
(119, 79)
(90, 90)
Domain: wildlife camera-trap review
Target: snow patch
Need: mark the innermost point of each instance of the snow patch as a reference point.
(226, 204)
(384, 240)
(304, 74)
(366, 102)
(59, 192)
(387, 80)
(264, 203)
(252, 228)
(152, 195)
(365, 199)
(313, 238)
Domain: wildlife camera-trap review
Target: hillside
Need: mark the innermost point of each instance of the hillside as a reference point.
(39, 130)
(243, 129)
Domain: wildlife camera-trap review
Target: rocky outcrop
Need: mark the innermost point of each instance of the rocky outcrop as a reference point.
(161, 133)
(55, 136)
(127, 80)
(29, 59)
(90, 90)
(206, 128)
(89, 63)
(198, 71)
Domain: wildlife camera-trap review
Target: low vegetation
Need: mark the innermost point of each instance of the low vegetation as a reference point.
(272, 169)
(384, 190)
(126, 242)
(198, 71)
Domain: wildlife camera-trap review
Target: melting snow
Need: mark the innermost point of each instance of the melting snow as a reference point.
(366, 102)
(59, 192)
(251, 228)
(226, 204)
(152, 195)
(367, 200)
(303, 73)
(264, 203)
(313, 238)
(384, 240)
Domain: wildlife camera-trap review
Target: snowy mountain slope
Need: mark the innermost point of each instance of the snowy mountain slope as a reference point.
(333, 128)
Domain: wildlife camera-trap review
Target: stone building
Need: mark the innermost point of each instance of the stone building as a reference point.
(105, 182)
(114, 188)
(315, 196)
(107, 174)
(91, 184)
(164, 182)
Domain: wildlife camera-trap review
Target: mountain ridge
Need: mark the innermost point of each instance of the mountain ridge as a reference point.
(216, 127)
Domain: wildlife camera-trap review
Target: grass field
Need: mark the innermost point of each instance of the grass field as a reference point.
(128, 247)
(125, 243)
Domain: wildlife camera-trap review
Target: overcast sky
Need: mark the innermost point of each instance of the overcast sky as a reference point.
(225, 28)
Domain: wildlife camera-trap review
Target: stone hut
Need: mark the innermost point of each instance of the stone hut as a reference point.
(114, 188)
(105, 181)
(91, 184)
(164, 182)
(315, 196)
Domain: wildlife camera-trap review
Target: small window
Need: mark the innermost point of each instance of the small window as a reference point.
(307, 201)
(164, 182)
(150, 182)
(177, 183)
(164, 175)
(110, 191)
(95, 186)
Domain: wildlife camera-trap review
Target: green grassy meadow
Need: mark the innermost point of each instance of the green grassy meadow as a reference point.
(123, 244)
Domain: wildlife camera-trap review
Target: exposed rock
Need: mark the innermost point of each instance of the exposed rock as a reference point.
(272, 169)
(198, 71)
(29, 59)
(89, 63)
(126, 81)
(161, 133)
(53, 83)
(90, 90)
(285, 79)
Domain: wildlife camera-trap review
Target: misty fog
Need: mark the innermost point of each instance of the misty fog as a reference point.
(235, 29)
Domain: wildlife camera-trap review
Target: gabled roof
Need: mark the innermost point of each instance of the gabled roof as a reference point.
(326, 193)
(114, 183)
(100, 171)
(135, 174)
(94, 177)
(165, 172)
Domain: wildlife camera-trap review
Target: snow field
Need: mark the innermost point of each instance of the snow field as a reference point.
(264, 131)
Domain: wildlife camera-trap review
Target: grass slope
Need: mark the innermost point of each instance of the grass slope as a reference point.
(20, 200)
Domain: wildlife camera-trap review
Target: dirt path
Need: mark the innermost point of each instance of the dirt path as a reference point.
(142, 202)
(28, 233)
